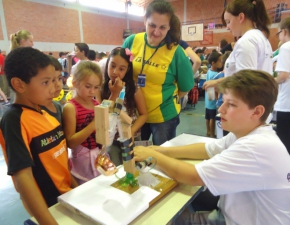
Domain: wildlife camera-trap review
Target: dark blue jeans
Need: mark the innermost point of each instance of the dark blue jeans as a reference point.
(283, 128)
(161, 132)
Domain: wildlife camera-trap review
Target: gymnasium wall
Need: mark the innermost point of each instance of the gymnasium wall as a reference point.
(56, 26)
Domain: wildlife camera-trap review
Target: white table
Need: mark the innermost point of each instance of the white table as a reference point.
(161, 212)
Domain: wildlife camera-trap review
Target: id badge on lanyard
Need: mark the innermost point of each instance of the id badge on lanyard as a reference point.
(141, 80)
(141, 76)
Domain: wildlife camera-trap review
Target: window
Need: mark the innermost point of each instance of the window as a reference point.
(113, 5)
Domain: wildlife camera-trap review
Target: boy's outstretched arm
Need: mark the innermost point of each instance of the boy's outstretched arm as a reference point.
(192, 151)
(180, 171)
(32, 197)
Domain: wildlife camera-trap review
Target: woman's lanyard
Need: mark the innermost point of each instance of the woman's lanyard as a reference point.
(143, 58)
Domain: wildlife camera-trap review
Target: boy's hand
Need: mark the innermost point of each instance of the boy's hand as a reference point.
(209, 83)
(141, 153)
(158, 149)
(117, 87)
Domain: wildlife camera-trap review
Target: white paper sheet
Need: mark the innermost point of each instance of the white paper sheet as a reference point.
(186, 139)
(100, 202)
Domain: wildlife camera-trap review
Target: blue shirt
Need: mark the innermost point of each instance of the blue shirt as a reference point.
(210, 104)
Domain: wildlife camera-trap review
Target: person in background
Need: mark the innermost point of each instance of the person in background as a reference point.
(81, 51)
(38, 166)
(92, 56)
(6, 101)
(100, 56)
(248, 19)
(215, 60)
(276, 52)
(103, 61)
(248, 168)
(162, 70)
(222, 44)
(21, 38)
(192, 55)
(282, 106)
(195, 61)
(61, 60)
(5, 94)
(206, 52)
(221, 74)
(199, 52)
(230, 46)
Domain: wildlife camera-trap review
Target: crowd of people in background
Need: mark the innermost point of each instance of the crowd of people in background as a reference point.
(156, 69)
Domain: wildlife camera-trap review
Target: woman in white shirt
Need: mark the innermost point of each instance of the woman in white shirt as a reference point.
(282, 106)
(250, 20)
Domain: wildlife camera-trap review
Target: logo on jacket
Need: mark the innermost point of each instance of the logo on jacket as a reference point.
(52, 138)
(288, 177)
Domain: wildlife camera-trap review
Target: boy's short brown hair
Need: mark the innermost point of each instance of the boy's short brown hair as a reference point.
(254, 87)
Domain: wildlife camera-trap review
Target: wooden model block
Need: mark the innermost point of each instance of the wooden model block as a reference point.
(102, 125)
(108, 103)
(125, 118)
(124, 130)
(129, 166)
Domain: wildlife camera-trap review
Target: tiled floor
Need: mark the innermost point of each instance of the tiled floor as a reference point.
(11, 210)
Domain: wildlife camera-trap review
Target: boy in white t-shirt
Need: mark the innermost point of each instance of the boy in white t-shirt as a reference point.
(249, 168)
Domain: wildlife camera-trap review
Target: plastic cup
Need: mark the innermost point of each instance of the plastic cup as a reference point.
(211, 93)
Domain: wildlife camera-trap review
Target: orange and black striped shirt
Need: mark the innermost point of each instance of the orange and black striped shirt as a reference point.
(30, 138)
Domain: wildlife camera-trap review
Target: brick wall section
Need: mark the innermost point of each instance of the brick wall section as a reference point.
(137, 25)
(179, 9)
(46, 23)
(206, 9)
(285, 14)
(102, 29)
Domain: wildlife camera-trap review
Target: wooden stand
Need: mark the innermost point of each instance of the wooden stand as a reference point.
(165, 185)
(129, 183)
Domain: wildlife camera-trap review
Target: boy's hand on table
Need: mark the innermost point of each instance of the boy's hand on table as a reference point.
(158, 148)
(141, 153)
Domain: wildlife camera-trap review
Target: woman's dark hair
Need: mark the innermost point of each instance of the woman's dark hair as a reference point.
(162, 7)
(285, 24)
(254, 10)
(129, 101)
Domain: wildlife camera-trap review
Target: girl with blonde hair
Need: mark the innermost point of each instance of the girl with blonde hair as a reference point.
(21, 38)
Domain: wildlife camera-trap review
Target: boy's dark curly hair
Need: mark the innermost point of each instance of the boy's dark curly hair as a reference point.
(129, 101)
(24, 63)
